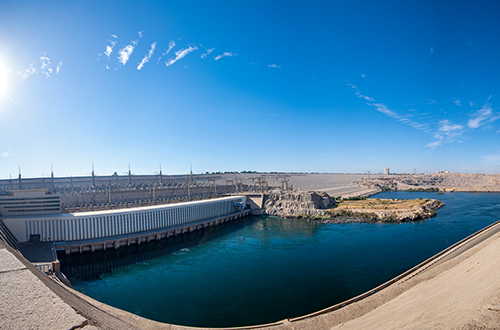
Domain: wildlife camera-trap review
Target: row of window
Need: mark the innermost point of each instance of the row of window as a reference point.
(91, 227)
(30, 205)
(16, 199)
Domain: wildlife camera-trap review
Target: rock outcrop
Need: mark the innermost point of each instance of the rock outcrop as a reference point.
(290, 205)
(422, 211)
(320, 206)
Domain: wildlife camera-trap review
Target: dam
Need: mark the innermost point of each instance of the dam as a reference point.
(266, 269)
(336, 259)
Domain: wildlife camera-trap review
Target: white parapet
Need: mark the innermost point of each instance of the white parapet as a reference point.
(109, 223)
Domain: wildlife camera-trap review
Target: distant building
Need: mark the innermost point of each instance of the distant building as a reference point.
(387, 170)
(28, 202)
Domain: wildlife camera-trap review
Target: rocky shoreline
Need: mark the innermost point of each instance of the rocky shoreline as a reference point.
(421, 212)
(319, 206)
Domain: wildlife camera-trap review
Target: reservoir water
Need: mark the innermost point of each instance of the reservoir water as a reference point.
(259, 270)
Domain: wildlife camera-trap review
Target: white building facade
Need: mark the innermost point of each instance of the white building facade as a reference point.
(120, 222)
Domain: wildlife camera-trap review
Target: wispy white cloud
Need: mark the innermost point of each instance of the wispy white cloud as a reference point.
(493, 158)
(58, 68)
(181, 54)
(483, 116)
(171, 45)
(125, 52)
(447, 132)
(276, 66)
(386, 111)
(382, 108)
(147, 57)
(444, 132)
(26, 73)
(446, 126)
(367, 98)
(207, 52)
(226, 54)
(434, 144)
(6, 154)
(43, 66)
(109, 48)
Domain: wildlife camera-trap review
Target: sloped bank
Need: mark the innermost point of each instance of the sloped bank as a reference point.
(321, 207)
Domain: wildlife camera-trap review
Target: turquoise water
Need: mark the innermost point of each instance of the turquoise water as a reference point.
(259, 270)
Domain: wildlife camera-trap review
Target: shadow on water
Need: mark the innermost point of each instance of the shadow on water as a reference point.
(89, 266)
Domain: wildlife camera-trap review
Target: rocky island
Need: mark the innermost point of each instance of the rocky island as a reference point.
(321, 207)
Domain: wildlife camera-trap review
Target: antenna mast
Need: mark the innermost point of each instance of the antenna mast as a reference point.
(20, 187)
(93, 176)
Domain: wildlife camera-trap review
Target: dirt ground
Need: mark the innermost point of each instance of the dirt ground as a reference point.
(381, 204)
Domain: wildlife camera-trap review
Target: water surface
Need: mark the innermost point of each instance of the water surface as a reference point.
(259, 270)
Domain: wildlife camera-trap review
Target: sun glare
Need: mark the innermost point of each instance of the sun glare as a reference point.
(4, 81)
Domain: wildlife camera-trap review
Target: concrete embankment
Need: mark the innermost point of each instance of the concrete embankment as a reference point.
(26, 302)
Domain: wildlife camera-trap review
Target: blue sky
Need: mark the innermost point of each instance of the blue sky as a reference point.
(318, 86)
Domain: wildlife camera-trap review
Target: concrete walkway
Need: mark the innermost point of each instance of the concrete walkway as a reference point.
(26, 303)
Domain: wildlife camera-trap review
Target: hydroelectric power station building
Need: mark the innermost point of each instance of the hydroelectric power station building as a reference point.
(36, 217)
